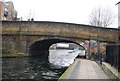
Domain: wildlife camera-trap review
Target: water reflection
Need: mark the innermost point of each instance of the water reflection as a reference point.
(29, 68)
(37, 68)
(62, 58)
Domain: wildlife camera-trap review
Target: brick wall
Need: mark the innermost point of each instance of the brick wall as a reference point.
(8, 7)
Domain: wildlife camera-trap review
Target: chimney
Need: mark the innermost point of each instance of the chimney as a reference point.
(118, 14)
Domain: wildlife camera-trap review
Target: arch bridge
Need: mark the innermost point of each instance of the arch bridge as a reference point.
(19, 36)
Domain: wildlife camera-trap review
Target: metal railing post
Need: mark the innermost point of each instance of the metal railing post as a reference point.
(119, 59)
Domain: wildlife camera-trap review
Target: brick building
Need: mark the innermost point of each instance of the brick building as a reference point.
(7, 11)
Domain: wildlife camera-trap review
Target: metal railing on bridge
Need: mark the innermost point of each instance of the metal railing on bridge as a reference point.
(113, 55)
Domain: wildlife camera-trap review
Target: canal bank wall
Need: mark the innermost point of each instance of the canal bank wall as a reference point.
(15, 55)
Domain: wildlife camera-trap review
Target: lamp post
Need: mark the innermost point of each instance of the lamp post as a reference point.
(97, 42)
(89, 46)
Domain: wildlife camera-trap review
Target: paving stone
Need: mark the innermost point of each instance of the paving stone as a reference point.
(87, 69)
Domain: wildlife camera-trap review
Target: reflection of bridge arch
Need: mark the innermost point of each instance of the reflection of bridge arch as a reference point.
(41, 48)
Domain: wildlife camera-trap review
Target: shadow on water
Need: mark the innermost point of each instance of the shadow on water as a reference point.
(29, 69)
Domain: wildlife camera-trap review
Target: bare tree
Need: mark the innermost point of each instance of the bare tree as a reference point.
(102, 17)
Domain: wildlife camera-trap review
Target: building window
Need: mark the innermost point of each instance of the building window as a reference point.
(5, 12)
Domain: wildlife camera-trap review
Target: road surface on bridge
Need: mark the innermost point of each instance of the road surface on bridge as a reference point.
(84, 69)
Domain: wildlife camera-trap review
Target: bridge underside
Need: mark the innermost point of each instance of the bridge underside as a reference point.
(41, 48)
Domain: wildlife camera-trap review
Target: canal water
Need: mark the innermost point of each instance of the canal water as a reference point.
(35, 68)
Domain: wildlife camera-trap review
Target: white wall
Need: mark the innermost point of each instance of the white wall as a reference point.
(119, 15)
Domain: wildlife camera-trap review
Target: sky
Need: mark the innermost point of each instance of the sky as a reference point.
(71, 11)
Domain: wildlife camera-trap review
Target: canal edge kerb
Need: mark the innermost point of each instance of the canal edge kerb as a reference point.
(68, 71)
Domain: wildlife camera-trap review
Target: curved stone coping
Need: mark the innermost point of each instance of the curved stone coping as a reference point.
(68, 72)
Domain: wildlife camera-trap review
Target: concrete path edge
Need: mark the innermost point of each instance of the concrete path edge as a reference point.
(110, 71)
(68, 72)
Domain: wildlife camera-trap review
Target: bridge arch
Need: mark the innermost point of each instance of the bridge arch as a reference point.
(41, 48)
